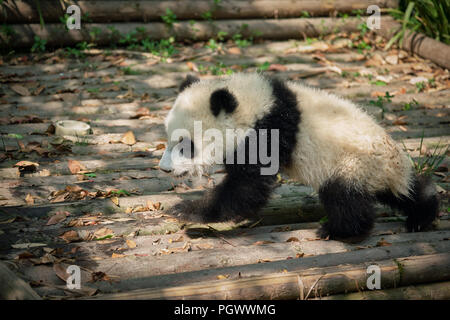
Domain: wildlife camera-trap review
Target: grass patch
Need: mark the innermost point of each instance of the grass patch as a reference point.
(430, 17)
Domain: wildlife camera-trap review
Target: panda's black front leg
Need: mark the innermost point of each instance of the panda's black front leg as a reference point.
(242, 193)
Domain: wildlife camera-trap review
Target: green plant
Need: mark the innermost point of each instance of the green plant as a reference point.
(378, 83)
(221, 35)
(264, 66)
(240, 41)
(381, 100)
(420, 86)
(430, 17)
(408, 106)
(363, 29)
(428, 163)
(362, 45)
(130, 72)
(130, 40)
(212, 44)
(207, 16)
(305, 14)
(120, 192)
(163, 48)
(169, 18)
(94, 33)
(38, 45)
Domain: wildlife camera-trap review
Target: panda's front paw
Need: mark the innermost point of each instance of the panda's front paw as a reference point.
(187, 211)
(324, 232)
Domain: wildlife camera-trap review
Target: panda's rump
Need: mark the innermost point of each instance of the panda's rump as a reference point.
(337, 139)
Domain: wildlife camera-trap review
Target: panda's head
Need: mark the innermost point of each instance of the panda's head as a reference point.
(204, 112)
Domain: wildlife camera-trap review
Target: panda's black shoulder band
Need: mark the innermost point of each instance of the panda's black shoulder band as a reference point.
(222, 99)
(188, 82)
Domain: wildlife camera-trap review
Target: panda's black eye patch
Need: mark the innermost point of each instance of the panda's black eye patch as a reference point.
(222, 99)
(187, 145)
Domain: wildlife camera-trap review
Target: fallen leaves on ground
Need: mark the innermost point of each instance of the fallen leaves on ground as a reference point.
(128, 138)
(131, 244)
(29, 199)
(75, 166)
(262, 242)
(57, 218)
(383, 243)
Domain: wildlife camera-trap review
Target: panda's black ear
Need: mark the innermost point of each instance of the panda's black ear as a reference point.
(222, 99)
(187, 82)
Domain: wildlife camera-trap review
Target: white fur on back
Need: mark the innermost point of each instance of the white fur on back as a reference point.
(338, 139)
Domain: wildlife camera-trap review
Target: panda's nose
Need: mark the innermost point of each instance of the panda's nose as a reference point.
(166, 161)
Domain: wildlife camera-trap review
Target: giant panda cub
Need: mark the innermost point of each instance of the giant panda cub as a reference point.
(320, 139)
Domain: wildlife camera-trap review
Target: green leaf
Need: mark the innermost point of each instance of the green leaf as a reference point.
(15, 135)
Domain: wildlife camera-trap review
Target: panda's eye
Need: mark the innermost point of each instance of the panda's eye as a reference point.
(186, 145)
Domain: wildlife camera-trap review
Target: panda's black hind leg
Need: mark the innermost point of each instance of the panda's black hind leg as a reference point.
(350, 210)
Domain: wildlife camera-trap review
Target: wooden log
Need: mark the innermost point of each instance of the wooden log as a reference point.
(418, 43)
(277, 29)
(433, 291)
(14, 288)
(250, 254)
(18, 11)
(304, 284)
(260, 269)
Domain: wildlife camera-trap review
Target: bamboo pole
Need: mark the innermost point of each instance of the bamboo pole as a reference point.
(315, 282)
(19, 11)
(420, 44)
(433, 291)
(57, 35)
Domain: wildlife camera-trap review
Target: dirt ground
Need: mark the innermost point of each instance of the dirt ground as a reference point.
(98, 201)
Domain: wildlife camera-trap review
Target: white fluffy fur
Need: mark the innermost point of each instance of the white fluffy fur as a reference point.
(336, 138)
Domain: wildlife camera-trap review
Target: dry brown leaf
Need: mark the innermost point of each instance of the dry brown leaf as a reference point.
(277, 67)
(128, 138)
(234, 50)
(103, 232)
(29, 199)
(383, 243)
(160, 146)
(131, 244)
(70, 236)
(179, 239)
(400, 121)
(117, 255)
(204, 246)
(377, 94)
(192, 66)
(292, 239)
(25, 163)
(75, 166)
(57, 217)
(261, 242)
(60, 271)
(115, 200)
(38, 90)
(20, 90)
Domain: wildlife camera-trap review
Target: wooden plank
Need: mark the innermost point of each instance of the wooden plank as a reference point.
(14, 288)
(308, 283)
(19, 11)
(261, 269)
(432, 291)
(268, 29)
